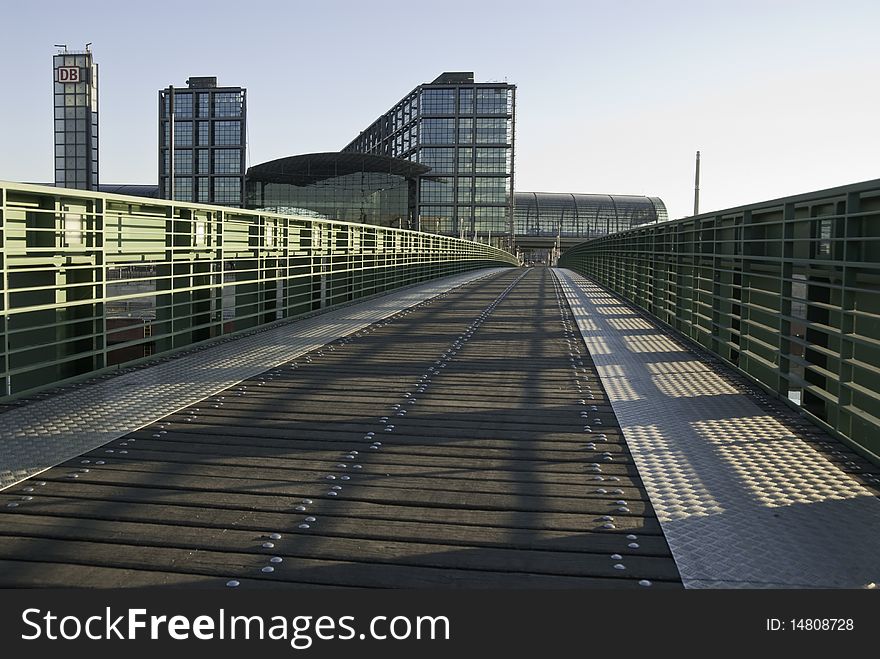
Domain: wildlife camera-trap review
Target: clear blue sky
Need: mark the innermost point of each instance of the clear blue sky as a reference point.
(781, 96)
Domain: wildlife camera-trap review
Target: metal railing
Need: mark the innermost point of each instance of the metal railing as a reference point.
(93, 281)
(787, 291)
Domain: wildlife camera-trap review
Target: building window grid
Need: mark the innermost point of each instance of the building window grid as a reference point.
(183, 106)
(183, 161)
(465, 130)
(227, 161)
(493, 160)
(440, 159)
(437, 131)
(493, 131)
(183, 133)
(227, 133)
(466, 101)
(227, 190)
(183, 188)
(436, 219)
(438, 101)
(493, 100)
(491, 190)
(495, 194)
(436, 191)
(204, 189)
(204, 162)
(227, 104)
(464, 192)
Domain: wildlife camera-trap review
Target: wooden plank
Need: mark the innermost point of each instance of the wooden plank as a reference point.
(360, 491)
(239, 565)
(263, 476)
(218, 463)
(197, 501)
(308, 544)
(335, 521)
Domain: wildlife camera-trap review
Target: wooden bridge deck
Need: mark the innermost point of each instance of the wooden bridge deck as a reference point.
(466, 442)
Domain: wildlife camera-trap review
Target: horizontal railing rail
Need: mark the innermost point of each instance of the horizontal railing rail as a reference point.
(94, 281)
(787, 291)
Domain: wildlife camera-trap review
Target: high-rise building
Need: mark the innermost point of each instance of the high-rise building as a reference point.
(464, 131)
(208, 141)
(75, 76)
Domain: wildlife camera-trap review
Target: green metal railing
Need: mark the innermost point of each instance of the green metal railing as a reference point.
(93, 281)
(787, 291)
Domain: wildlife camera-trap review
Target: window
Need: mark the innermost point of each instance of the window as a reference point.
(438, 101)
(204, 133)
(465, 160)
(438, 131)
(227, 104)
(492, 190)
(441, 160)
(227, 161)
(183, 106)
(436, 219)
(183, 189)
(493, 161)
(823, 244)
(465, 190)
(491, 220)
(183, 133)
(492, 101)
(466, 101)
(183, 161)
(204, 164)
(227, 190)
(204, 189)
(493, 131)
(227, 132)
(204, 109)
(465, 131)
(438, 191)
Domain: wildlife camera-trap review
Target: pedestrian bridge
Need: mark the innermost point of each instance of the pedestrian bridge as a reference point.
(300, 403)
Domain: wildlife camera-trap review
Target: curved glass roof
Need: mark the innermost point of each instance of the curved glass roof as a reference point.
(572, 215)
(311, 167)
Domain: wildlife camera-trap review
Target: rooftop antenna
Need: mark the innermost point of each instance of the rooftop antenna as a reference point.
(88, 47)
(61, 45)
(697, 186)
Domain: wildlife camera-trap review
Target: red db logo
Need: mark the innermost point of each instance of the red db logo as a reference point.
(68, 74)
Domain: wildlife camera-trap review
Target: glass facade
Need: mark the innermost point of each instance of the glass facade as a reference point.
(564, 215)
(213, 119)
(350, 187)
(464, 131)
(76, 120)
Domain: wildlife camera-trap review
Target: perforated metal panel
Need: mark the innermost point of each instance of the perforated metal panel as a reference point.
(743, 501)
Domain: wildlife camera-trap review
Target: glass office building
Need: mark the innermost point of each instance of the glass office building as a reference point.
(75, 77)
(207, 142)
(463, 131)
(352, 187)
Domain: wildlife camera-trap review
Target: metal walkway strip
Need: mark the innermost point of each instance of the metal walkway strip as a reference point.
(743, 502)
(47, 432)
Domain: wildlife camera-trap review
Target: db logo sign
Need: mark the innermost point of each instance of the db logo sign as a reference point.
(68, 74)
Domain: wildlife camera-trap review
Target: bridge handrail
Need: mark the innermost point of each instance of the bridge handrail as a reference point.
(787, 291)
(91, 281)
